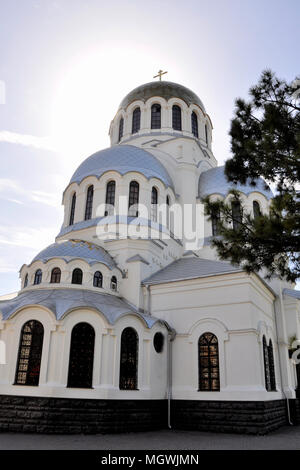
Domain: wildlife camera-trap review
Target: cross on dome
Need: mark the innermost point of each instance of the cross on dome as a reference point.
(160, 73)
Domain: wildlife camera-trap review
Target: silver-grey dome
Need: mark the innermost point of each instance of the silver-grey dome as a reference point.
(74, 249)
(123, 159)
(164, 89)
(214, 181)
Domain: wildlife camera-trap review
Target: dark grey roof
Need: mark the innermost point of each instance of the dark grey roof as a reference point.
(292, 293)
(190, 268)
(74, 249)
(123, 159)
(214, 181)
(164, 89)
(61, 301)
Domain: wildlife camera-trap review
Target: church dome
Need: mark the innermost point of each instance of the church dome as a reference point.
(76, 249)
(214, 181)
(164, 89)
(123, 159)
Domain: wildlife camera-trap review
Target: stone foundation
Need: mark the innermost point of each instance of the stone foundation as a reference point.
(74, 416)
(253, 417)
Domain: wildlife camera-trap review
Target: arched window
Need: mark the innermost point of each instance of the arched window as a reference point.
(154, 201)
(176, 118)
(72, 212)
(271, 366)
(209, 377)
(129, 360)
(38, 277)
(30, 354)
(194, 124)
(89, 203)
(136, 120)
(155, 116)
(236, 214)
(206, 134)
(98, 279)
(77, 276)
(215, 219)
(110, 197)
(81, 356)
(121, 128)
(168, 211)
(134, 190)
(266, 365)
(256, 209)
(55, 276)
(114, 283)
(26, 281)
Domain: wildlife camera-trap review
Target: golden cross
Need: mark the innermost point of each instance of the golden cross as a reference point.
(160, 73)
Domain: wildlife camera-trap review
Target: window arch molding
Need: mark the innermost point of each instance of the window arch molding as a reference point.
(220, 330)
(185, 114)
(163, 109)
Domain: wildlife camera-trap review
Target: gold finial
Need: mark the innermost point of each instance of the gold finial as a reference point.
(160, 73)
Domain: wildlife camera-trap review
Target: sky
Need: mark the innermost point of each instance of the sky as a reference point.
(65, 66)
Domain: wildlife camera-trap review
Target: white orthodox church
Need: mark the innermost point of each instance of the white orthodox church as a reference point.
(125, 323)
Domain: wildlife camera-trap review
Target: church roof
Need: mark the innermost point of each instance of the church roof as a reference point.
(61, 301)
(164, 89)
(123, 159)
(214, 181)
(190, 268)
(74, 249)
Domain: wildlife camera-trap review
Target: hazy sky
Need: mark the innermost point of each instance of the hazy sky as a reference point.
(65, 65)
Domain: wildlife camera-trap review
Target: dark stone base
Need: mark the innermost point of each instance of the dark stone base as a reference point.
(244, 417)
(82, 416)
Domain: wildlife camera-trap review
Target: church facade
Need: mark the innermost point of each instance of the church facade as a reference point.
(129, 321)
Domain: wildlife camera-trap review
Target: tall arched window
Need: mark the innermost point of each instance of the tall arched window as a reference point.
(89, 203)
(72, 212)
(154, 201)
(77, 276)
(271, 366)
(38, 277)
(176, 117)
(129, 360)
(136, 120)
(194, 119)
(134, 190)
(110, 197)
(209, 376)
(121, 128)
(155, 116)
(256, 209)
(114, 283)
(30, 354)
(236, 214)
(266, 365)
(98, 279)
(81, 356)
(25, 281)
(215, 219)
(55, 276)
(168, 211)
(206, 134)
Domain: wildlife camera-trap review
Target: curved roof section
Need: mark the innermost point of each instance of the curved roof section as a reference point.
(73, 249)
(61, 301)
(123, 159)
(214, 181)
(164, 89)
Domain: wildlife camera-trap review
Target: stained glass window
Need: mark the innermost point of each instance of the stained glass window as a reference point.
(55, 276)
(98, 279)
(81, 356)
(129, 360)
(209, 379)
(30, 354)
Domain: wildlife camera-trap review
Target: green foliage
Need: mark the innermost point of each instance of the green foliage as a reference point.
(265, 141)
